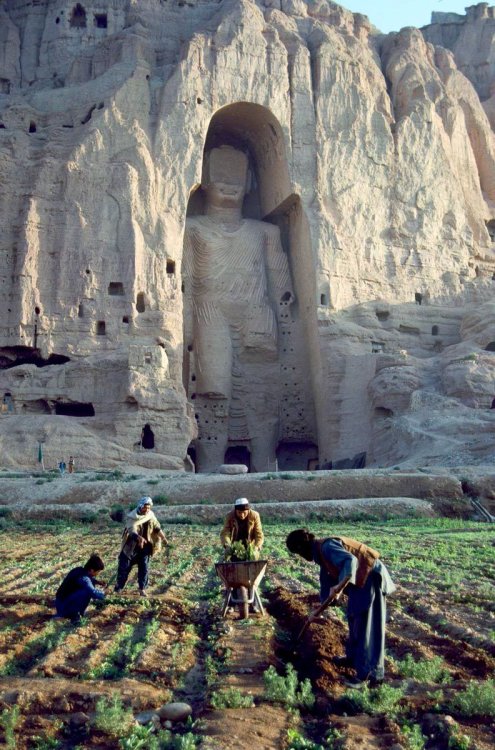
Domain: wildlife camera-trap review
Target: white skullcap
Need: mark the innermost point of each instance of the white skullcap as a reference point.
(241, 502)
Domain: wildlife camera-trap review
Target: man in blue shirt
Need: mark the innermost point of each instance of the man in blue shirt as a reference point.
(346, 564)
(77, 589)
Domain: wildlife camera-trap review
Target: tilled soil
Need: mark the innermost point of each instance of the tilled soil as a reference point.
(322, 641)
(163, 648)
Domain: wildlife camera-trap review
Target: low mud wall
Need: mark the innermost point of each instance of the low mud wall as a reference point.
(218, 488)
(86, 492)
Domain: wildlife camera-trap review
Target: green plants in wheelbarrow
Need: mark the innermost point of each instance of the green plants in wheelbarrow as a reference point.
(241, 552)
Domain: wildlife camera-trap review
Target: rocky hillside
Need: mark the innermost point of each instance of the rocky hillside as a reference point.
(371, 159)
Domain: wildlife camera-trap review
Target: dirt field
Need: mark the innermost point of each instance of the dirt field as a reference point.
(57, 681)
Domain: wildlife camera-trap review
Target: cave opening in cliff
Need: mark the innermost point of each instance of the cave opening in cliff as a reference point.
(490, 226)
(116, 289)
(262, 258)
(238, 454)
(131, 403)
(13, 356)
(191, 452)
(381, 412)
(101, 21)
(297, 455)
(490, 347)
(78, 17)
(74, 409)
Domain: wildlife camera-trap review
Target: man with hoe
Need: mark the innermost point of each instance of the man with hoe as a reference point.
(141, 538)
(346, 564)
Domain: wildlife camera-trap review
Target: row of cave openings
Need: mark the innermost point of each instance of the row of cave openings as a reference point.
(78, 18)
(44, 406)
(116, 289)
(300, 456)
(33, 127)
(67, 409)
(379, 346)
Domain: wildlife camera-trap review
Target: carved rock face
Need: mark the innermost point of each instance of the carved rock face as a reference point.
(366, 166)
(235, 273)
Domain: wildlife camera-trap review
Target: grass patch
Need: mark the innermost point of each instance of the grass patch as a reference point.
(231, 698)
(413, 737)
(159, 499)
(9, 719)
(288, 690)
(382, 700)
(46, 743)
(111, 716)
(477, 699)
(424, 670)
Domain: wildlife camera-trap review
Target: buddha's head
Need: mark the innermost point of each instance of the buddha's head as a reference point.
(225, 176)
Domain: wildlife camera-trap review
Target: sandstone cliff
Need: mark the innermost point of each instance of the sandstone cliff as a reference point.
(371, 154)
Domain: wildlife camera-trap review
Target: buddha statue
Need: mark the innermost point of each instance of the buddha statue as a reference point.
(235, 274)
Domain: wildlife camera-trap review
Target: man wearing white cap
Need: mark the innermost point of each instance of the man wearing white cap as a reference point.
(141, 538)
(242, 525)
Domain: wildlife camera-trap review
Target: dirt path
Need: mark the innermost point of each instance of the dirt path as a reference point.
(247, 649)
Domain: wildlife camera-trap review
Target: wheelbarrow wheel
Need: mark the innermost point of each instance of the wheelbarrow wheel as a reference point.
(244, 605)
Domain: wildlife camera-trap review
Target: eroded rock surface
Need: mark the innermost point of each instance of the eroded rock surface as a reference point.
(372, 160)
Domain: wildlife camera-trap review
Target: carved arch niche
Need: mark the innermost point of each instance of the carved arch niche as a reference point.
(256, 131)
(252, 128)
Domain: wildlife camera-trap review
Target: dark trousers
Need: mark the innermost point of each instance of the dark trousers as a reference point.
(142, 560)
(74, 606)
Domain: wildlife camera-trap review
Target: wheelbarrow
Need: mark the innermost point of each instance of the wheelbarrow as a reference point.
(241, 581)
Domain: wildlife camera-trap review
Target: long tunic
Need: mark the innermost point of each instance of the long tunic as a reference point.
(366, 607)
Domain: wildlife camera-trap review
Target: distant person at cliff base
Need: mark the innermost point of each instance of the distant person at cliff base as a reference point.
(71, 464)
(147, 438)
(78, 588)
(141, 539)
(242, 524)
(346, 564)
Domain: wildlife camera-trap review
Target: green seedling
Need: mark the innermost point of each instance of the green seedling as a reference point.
(231, 698)
(374, 701)
(112, 718)
(424, 670)
(9, 719)
(413, 737)
(288, 690)
(477, 699)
